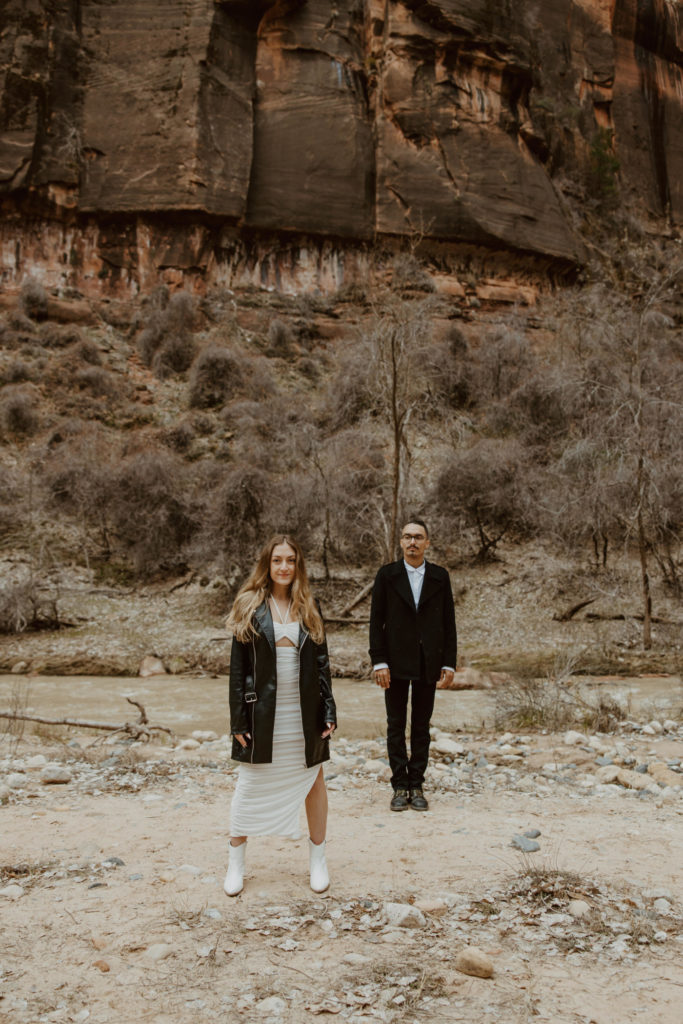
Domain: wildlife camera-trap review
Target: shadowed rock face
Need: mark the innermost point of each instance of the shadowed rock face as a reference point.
(450, 119)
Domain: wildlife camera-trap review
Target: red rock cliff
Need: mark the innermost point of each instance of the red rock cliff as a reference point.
(143, 137)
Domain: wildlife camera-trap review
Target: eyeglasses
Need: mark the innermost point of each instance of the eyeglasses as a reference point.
(413, 536)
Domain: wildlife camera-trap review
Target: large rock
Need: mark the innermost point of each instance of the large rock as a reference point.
(473, 961)
(450, 120)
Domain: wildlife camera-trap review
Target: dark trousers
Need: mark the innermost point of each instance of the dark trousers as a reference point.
(408, 772)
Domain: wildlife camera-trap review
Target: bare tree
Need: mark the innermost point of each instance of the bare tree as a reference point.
(622, 353)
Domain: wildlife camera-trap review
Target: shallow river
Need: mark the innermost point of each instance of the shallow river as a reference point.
(185, 703)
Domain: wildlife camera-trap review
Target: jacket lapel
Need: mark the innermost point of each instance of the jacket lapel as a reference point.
(265, 621)
(401, 582)
(430, 584)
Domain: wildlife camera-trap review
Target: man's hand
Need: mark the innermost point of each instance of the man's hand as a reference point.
(329, 730)
(242, 738)
(446, 678)
(383, 678)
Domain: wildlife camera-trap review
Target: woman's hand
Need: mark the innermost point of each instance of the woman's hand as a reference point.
(330, 729)
(242, 738)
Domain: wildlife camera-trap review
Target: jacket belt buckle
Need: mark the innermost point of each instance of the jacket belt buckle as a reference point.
(250, 698)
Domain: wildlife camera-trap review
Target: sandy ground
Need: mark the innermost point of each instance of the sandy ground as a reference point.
(122, 915)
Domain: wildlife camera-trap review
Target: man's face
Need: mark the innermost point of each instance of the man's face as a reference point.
(414, 543)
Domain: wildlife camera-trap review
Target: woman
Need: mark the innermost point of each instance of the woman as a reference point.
(282, 711)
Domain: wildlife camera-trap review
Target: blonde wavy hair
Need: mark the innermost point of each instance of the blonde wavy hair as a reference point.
(258, 589)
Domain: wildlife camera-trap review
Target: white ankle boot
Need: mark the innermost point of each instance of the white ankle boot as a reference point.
(234, 880)
(320, 879)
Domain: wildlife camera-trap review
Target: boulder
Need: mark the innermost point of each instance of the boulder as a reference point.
(473, 961)
(151, 666)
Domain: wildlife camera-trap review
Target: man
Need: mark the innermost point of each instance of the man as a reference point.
(413, 645)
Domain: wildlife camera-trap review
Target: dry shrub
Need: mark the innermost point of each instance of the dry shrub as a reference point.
(59, 335)
(17, 372)
(489, 489)
(217, 376)
(18, 415)
(166, 343)
(220, 375)
(98, 381)
(27, 604)
(179, 437)
(13, 490)
(152, 510)
(280, 339)
(408, 274)
(33, 299)
(88, 352)
(532, 703)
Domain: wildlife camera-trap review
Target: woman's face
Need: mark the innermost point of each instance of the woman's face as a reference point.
(283, 565)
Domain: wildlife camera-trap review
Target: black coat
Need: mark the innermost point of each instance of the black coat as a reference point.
(398, 628)
(255, 660)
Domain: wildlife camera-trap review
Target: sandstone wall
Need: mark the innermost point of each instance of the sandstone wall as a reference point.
(142, 130)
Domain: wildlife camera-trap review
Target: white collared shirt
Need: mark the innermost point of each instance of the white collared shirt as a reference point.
(416, 576)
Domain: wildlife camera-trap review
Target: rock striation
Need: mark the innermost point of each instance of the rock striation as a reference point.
(146, 140)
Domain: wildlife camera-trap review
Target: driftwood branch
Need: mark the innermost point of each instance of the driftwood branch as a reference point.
(571, 612)
(348, 608)
(138, 730)
(345, 620)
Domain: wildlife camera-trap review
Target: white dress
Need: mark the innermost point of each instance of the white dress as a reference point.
(268, 797)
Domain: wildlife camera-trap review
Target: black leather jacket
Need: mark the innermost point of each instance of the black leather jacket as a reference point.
(253, 673)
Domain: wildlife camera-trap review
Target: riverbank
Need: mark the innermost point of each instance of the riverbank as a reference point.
(113, 908)
(513, 617)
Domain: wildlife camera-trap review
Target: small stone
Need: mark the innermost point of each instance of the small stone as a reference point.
(656, 726)
(670, 725)
(212, 914)
(16, 781)
(12, 891)
(102, 965)
(159, 951)
(55, 774)
(113, 862)
(533, 833)
(188, 745)
(572, 738)
(578, 909)
(524, 844)
(662, 906)
(190, 869)
(272, 1004)
(648, 730)
(38, 761)
(151, 666)
(473, 961)
(434, 906)
(5, 793)
(660, 936)
(632, 780)
(445, 745)
(204, 736)
(373, 764)
(403, 915)
(603, 760)
(664, 775)
(356, 959)
(166, 876)
(98, 942)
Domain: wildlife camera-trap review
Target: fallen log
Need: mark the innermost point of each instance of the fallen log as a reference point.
(360, 596)
(571, 612)
(138, 730)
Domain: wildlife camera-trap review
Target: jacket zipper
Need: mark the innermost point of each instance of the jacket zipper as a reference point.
(298, 658)
(253, 710)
